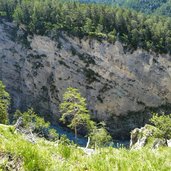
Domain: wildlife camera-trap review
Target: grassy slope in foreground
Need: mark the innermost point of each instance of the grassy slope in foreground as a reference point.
(45, 155)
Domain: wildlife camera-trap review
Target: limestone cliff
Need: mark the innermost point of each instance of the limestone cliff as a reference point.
(119, 85)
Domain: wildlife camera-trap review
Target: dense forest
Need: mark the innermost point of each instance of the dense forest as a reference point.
(165, 9)
(146, 6)
(158, 7)
(101, 21)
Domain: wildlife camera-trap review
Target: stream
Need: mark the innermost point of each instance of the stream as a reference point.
(82, 141)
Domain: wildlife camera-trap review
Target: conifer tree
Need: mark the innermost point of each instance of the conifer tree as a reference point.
(74, 111)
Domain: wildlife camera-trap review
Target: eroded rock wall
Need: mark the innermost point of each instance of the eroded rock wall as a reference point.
(118, 85)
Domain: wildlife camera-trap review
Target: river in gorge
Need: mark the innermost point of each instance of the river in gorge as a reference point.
(82, 141)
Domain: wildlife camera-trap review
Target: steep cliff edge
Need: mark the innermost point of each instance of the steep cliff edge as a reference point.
(119, 86)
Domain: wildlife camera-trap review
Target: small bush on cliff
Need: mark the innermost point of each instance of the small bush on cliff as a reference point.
(4, 104)
(99, 136)
(31, 121)
(163, 123)
(74, 111)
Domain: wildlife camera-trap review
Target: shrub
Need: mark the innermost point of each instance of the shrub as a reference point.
(99, 136)
(65, 151)
(163, 123)
(31, 121)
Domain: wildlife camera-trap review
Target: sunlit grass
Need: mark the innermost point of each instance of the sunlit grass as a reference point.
(51, 156)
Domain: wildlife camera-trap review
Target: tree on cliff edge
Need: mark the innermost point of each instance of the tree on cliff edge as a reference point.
(74, 111)
(4, 104)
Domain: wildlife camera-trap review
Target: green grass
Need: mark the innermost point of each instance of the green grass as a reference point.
(50, 156)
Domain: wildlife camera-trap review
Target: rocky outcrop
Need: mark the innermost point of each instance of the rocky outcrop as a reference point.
(169, 143)
(145, 137)
(119, 85)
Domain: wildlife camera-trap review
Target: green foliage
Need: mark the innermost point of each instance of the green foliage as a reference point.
(45, 155)
(65, 151)
(33, 157)
(31, 121)
(165, 9)
(158, 7)
(103, 22)
(74, 111)
(99, 137)
(4, 104)
(144, 5)
(77, 117)
(8, 6)
(64, 140)
(163, 123)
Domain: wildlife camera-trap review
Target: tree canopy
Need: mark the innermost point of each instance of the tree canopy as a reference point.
(101, 21)
(163, 123)
(158, 7)
(74, 111)
(77, 117)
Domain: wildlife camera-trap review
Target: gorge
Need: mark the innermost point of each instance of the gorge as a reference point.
(121, 87)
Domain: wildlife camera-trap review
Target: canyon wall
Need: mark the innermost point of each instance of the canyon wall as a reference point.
(121, 87)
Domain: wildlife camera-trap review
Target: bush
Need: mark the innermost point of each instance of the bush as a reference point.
(65, 151)
(99, 137)
(163, 123)
(64, 140)
(31, 121)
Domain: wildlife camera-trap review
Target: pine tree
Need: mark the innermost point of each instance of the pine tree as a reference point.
(74, 111)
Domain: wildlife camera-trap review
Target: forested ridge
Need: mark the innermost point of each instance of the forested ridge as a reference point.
(158, 7)
(147, 6)
(101, 21)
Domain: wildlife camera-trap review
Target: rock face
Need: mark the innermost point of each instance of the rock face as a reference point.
(139, 137)
(119, 86)
(169, 143)
(145, 137)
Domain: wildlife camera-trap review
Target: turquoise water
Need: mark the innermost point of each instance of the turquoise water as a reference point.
(82, 141)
